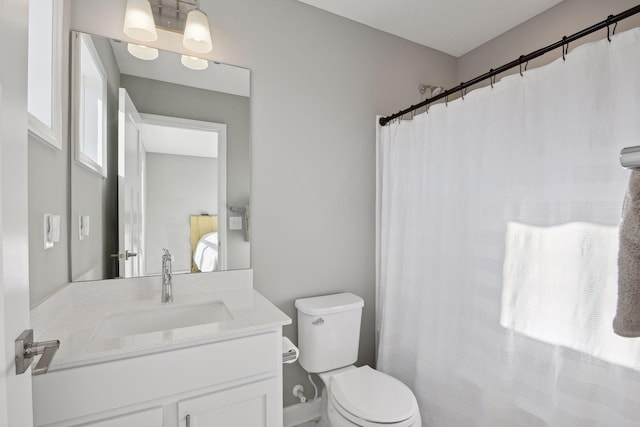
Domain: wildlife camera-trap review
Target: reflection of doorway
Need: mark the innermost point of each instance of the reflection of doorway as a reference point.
(131, 174)
(185, 176)
(168, 170)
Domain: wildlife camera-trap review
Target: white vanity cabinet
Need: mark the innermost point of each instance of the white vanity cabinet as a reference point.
(234, 381)
(148, 418)
(242, 406)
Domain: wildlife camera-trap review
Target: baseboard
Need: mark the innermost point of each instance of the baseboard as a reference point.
(301, 413)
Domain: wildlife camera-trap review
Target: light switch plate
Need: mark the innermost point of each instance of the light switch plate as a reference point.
(235, 223)
(83, 226)
(46, 228)
(51, 230)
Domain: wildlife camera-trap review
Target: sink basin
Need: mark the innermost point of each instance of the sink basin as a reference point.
(161, 318)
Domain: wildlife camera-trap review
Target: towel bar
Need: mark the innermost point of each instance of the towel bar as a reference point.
(630, 157)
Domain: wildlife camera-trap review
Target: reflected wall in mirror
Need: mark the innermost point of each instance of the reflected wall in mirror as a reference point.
(161, 159)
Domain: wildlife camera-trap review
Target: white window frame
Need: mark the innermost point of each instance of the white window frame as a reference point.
(76, 110)
(52, 136)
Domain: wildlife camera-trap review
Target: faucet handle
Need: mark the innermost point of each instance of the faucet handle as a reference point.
(166, 254)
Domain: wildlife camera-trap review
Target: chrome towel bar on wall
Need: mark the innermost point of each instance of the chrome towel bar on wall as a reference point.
(630, 157)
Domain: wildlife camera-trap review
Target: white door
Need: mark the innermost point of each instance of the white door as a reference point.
(15, 390)
(130, 185)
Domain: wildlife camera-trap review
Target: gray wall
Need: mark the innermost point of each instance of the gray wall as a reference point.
(167, 99)
(566, 18)
(177, 187)
(48, 171)
(318, 81)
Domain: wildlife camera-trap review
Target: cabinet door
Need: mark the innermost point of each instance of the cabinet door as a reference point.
(251, 405)
(148, 418)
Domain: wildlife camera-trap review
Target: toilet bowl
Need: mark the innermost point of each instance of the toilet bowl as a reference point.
(364, 397)
(328, 340)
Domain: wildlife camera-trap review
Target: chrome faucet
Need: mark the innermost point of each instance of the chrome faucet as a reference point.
(167, 287)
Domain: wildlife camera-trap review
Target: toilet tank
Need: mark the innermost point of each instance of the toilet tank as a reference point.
(329, 331)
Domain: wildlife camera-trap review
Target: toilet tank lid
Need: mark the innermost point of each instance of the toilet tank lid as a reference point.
(327, 304)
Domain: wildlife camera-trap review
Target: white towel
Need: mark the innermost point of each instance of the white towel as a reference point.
(627, 320)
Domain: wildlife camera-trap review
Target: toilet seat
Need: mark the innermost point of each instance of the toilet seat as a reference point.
(350, 420)
(368, 397)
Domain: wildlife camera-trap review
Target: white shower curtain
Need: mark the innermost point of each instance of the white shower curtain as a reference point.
(497, 246)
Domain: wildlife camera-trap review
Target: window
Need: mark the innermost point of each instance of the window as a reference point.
(44, 101)
(90, 106)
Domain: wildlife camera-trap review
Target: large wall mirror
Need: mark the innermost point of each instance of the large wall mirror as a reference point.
(160, 159)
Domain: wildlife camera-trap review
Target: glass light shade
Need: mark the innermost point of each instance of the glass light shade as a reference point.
(197, 36)
(194, 63)
(138, 21)
(142, 52)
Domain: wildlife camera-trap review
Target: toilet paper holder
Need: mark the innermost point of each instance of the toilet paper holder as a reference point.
(289, 357)
(290, 352)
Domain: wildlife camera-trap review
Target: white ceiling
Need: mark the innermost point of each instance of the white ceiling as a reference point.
(451, 26)
(180, 141)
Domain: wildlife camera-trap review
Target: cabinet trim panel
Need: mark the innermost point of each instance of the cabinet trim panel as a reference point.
(106, 386)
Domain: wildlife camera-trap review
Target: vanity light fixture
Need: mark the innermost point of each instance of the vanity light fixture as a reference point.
(194, 63)
(142, 52)
(181, 16)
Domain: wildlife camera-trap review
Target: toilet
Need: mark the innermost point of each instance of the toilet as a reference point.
(328, 340)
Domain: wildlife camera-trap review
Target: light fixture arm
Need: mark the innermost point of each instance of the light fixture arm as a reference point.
(171, 15)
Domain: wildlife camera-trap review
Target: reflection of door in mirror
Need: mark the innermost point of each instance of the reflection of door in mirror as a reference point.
(131, 176)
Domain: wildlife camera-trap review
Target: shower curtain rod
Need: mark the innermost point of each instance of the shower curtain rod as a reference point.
(523, 59)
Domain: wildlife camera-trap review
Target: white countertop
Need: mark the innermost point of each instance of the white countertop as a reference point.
(73, 315)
